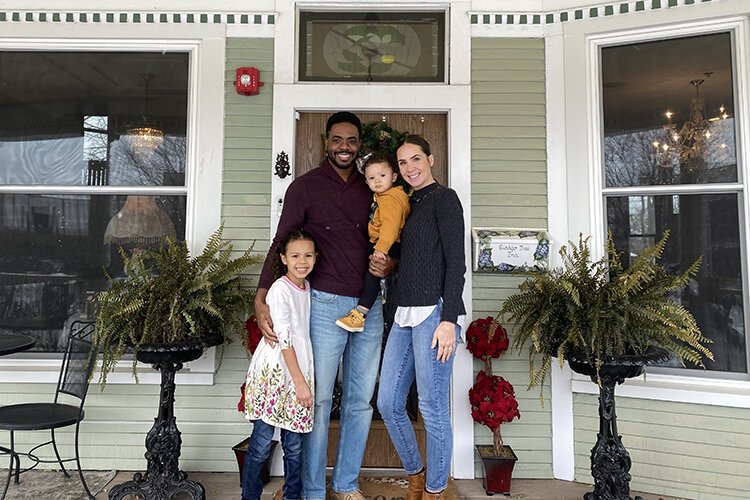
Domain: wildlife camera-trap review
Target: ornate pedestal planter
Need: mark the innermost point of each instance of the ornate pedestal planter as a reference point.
(163, 479)
(610, 461)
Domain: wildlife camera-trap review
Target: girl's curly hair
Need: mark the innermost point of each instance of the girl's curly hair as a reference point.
(278, 269)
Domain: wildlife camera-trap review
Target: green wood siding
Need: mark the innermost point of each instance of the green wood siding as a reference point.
(509, 189)
(678, 449)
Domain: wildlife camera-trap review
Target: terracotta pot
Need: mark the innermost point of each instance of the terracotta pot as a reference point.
(497, 469)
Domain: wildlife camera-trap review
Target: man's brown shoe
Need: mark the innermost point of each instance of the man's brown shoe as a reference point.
(349, 495)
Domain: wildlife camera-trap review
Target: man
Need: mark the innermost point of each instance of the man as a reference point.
(332, 202)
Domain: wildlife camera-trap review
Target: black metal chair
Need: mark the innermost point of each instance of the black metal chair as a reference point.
(77, 366)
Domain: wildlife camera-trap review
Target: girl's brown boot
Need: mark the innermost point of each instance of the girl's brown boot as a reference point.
(416, 486)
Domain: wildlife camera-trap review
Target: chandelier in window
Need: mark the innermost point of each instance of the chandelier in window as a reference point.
(687, 145)
(145, 136)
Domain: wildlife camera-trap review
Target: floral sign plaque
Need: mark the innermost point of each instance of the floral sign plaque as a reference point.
(510, 250)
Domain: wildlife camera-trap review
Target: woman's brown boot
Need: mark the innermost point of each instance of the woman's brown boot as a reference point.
(416, 486)
(443, 495)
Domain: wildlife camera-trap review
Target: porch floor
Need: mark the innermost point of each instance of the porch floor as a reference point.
(225, 486)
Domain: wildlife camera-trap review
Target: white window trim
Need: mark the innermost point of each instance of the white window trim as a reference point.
(656, 386)
(205, 143)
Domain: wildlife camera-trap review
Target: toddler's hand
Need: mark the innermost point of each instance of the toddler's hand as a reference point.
(379, 255)
(304, 395)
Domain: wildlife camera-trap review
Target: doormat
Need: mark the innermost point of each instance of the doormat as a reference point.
(49, 484)
(387, 488)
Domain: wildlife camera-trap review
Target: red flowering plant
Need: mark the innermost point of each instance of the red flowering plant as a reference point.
(249, 342)
(254, 334)
(493, 400)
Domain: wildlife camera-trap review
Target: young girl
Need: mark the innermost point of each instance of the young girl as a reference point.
(280, 377)
(390, 208)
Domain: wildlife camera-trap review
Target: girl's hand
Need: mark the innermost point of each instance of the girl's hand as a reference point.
(445, 340)
(379, 255)
(304, 395)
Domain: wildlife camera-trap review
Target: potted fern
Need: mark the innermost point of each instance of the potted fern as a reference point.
(167, 310)
(599, 311)
(169, 299)
(607, 321)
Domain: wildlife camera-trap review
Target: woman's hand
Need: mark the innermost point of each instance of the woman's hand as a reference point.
(304, 395)
(445, 340)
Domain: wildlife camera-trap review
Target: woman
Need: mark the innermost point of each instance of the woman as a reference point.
(422, 341)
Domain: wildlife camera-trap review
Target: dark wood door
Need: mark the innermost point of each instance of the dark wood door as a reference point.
(311, 128)
(310, 148)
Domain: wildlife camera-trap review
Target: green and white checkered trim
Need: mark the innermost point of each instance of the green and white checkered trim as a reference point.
(239, 19)
(604, 10)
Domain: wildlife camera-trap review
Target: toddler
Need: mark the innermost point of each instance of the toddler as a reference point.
(390, 208)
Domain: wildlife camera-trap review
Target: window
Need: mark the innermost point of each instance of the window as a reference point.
(372, 46)
(670, 163)
(92, 156)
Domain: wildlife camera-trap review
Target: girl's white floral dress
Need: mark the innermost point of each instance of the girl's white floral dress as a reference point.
(270, 394)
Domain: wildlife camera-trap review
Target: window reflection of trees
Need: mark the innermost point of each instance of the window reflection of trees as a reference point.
(630, 159)
(164, 166)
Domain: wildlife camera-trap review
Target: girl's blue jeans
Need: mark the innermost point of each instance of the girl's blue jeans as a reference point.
(257, 452)
(407, 356)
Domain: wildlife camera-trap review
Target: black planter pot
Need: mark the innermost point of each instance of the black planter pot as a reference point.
(240, 450)
(163, 479)
(610, 461)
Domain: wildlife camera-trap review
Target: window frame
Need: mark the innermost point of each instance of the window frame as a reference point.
(205, 46)
(585, 161)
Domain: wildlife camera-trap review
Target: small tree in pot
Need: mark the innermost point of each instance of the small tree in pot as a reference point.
(493, 402)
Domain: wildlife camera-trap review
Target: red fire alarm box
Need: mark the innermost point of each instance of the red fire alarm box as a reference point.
(247, 81)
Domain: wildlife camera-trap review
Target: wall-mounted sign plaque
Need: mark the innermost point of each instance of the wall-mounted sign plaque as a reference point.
(510, 250)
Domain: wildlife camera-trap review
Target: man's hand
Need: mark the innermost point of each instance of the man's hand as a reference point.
(263, 316)
(382, 268)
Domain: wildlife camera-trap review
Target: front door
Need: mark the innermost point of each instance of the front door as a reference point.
(310, 148)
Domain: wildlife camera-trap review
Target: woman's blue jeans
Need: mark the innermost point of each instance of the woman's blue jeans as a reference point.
(257, 452)
(407, 356)
(360, 353)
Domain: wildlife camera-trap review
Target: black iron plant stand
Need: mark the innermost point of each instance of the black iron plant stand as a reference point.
(163, 479)
(610, 461)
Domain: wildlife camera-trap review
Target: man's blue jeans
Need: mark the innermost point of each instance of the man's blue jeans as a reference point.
(361, 358)
(407, 356)
(257, 453)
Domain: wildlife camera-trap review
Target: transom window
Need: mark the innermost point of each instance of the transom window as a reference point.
(372, 46)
